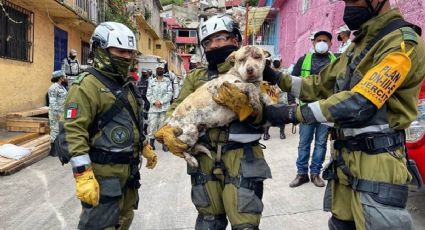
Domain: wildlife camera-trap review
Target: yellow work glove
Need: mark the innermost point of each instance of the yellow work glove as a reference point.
(232, 97)
(167, 135)
(87, 187)
(150, 156)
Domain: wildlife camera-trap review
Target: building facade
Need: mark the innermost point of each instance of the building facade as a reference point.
(298, 18)
(35, 37)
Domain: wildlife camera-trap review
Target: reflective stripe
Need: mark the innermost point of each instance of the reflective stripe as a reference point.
(296, 86)
(369, 129)
(244, 138)
(80, 160)
(317, 112)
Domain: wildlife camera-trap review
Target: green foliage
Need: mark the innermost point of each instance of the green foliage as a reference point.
(168, 2)
(117, 12)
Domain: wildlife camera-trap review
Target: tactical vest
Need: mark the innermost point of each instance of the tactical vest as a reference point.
(378, 123)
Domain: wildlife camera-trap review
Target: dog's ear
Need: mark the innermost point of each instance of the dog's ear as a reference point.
(231, 57)
(267, 53)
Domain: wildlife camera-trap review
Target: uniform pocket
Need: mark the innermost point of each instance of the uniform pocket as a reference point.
(327, 198)
(200, 196)
(380, 216)
(258, 168)
(107, 213)
(248, 201)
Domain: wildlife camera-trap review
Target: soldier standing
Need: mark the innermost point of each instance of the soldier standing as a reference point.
(231, 184)
(369, 96)
(159, 95)
(57, 95)
(71, 67)
(100, 133)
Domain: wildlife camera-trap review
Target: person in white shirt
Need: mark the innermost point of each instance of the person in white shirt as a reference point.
(344, 37)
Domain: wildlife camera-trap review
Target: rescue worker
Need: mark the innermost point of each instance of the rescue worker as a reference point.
(370, 95)
(312, 63)
(57, 95)
(71, 67)
(231, 184)
(100, 133)
(142, 85)
(159, 95)
(344, 38)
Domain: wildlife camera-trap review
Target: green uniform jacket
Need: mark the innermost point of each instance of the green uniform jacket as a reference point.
(350, 110)
(87, 98)
(196, 78)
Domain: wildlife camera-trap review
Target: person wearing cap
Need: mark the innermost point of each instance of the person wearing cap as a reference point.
(159, 95)
(313, 63)
(100, 133)
(344, 38)
(195, 62)
(228, 187)
(57, 95)
(142, 85)
(71, 67)
(369, 96)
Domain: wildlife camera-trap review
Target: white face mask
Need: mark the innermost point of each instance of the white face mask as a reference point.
(321, 47)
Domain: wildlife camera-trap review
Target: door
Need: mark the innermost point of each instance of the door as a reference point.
(61, 47)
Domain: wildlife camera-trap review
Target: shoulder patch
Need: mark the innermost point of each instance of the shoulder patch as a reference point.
(409, 34)
(80, 78)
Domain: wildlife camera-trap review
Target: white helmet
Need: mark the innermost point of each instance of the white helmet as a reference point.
(219, 23)
(195, 59)
(277, 58)
(113, 34)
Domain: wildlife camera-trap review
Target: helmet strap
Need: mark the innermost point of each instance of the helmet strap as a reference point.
(375, 11)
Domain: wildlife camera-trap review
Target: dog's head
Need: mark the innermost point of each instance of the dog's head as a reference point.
(249, 62)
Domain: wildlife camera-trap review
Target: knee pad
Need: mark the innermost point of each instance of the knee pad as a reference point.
(245, 227)
(211, 222)
(336, 224)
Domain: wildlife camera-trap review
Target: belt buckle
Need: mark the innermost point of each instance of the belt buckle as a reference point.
(354, 183)
(369, 143)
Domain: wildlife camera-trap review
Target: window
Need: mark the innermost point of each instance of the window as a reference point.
(183, 33)
(16, 32)
(149, 44)
(305, 4)
(192, 33)
(158, 47)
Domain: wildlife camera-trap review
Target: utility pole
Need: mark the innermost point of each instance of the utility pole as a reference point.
(246, 22)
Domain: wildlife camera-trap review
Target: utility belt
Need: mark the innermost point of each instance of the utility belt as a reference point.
(99, 156)
(372, 144)
(382, 192)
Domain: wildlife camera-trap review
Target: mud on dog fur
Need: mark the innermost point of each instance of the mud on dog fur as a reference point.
(199, 111)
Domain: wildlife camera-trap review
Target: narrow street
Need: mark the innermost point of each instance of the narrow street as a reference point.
(42, 196)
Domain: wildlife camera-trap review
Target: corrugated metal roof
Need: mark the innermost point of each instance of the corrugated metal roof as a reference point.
(256, 16)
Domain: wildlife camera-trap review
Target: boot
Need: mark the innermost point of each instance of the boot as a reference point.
(315, 178)
(299, 180)
(52, 150)
(266, 134)
(152, 142)
(282, 133)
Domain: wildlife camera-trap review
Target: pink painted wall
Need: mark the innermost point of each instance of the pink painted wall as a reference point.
(295, 27)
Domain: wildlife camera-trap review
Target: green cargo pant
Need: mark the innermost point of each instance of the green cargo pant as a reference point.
(360, 207)
(240, 205)
(119, 204)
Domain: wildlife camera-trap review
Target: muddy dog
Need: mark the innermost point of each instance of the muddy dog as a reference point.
(199, 111)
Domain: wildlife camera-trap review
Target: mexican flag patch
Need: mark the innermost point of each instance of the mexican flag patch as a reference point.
(71, 111)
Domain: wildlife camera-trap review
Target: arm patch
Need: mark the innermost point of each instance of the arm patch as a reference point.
(409, 35)
(380, 82)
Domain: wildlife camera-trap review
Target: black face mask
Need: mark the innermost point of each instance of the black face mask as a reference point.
(219, 55)
(356, 16)
(159, 73)
(72, 56)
